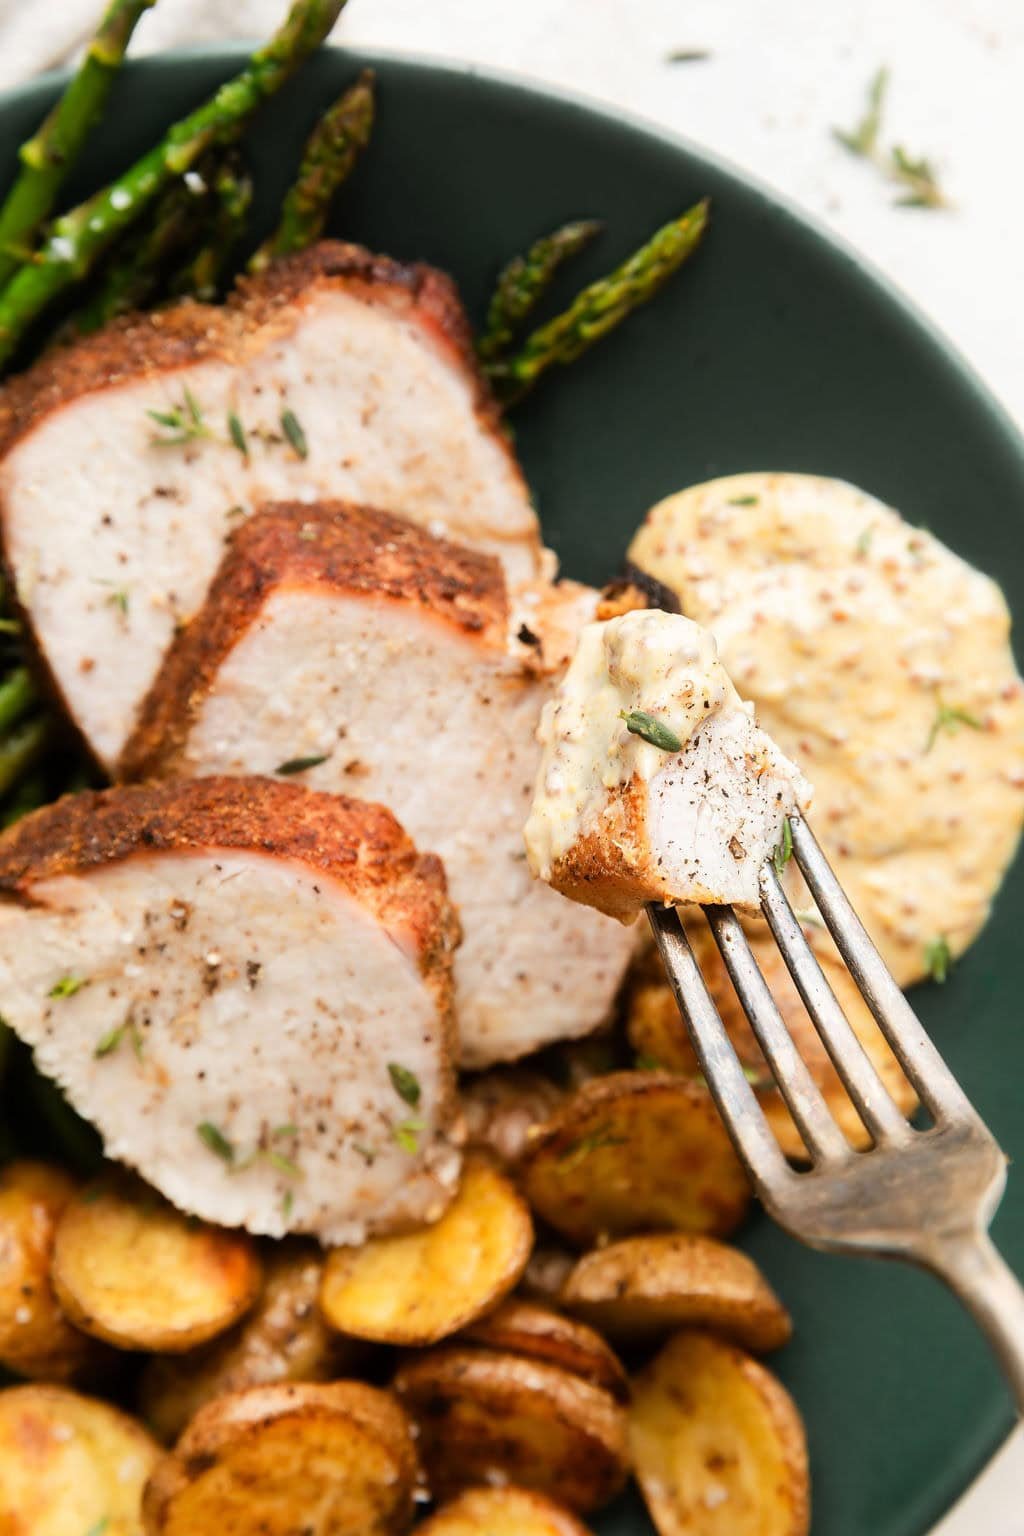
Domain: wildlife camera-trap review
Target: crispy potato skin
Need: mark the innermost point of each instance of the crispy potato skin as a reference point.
(642, 1286)
(69, 1464)
(419, 1287)
(717, 1444)
(540, 1333)
(36, 1339)
(632, 1152)
(485, 1417)
(502, 1512)
(332, 546)
(130, 1269)
(283, 1338)
(277, 1459)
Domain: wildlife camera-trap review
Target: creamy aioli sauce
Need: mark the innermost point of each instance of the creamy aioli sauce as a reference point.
(880, 662)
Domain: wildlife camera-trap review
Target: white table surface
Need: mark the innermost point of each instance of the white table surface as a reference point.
(781, 72)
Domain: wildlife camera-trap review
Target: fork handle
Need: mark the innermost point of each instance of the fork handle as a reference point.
(978, 1274)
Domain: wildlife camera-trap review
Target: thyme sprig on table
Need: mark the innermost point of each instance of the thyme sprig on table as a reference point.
(916, 175)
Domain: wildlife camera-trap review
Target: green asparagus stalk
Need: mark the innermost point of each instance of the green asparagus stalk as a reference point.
(79, 238)
(135, 274)
(27, 796)
(203, 273)
(47, 157)
(601, 307)
(523, 282)
(22, 748)
(17, 695)
(328, 159)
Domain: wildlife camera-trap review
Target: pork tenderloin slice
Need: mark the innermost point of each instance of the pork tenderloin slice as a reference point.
(357, 644)
(349, 375)
(656, 783)
(220, 975)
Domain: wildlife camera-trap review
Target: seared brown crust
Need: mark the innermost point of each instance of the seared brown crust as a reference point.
(139, 346)
(355, 842)
(334, 546)
(609, 866)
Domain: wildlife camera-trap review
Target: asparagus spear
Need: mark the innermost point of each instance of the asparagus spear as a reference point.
(524, 280)
(47, 157)
(601, 307)
(134, 275)
(328, 159)
(203, 273)
(80, 238)
(17, 695)
(28, 796)
(22, 748)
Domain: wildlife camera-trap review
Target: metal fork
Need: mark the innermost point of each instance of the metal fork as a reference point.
(923, 1195)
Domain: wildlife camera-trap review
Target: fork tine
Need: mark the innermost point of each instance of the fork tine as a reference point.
(870, 1097)
(737, 1104)
(822, 1136)
(935, 1084)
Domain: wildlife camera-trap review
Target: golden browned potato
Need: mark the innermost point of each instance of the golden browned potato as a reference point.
(283, 1338)
(484, 1417)
(36, 1338)
(131, 1269)
(70, 1465)
(643, 1286)
(632, 1152)
(526, 1328)
(717, 1444)
(501, 1107)
(502, 1512)
(335, 1458)
(655, 1029)
(421, 1286)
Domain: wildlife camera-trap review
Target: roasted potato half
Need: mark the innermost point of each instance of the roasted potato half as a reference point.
(642, 1286)
(658, 1034)
(283, 1338)
(634, 1152)
(70, 1465)
(36, 1338)
(502, 1512)
(503, 1106)
(526, 1328)
(489, 1418)
(336, 1458)
(422, 1286)
(131, 1269)
(544, 1276)
(718, 1446)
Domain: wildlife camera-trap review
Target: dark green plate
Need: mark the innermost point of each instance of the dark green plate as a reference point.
(775, 350)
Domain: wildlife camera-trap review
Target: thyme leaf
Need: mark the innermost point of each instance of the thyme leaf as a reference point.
(650, 729)
(214, 1139)
(67, 986)
(862, 139)
(109, 1042)
(784, 851)
(181, 424)
(292, 429)
(236, 432)
(407, 1134)
(405, 1083)
(937, 958)
(917, 176)
(949, 719)
(300, 764)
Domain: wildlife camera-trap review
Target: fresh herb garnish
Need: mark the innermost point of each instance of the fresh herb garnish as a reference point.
(300, 764)
(917, 176)
(284, 1164)
(687, 55)
(405, 1083)
(287, 1202)
(743, 501)
(214, 1139)
(282, 1131)
(950, 719)
(576, 1151)
(100, 1528)
(407, 1134)
(784, 852)
(236, 432)
(864, 542)
(292, 429)
(109, 1042)
(937, 958)
(648, 728)
(181, 424)
(644, 1063)
(67, 986)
